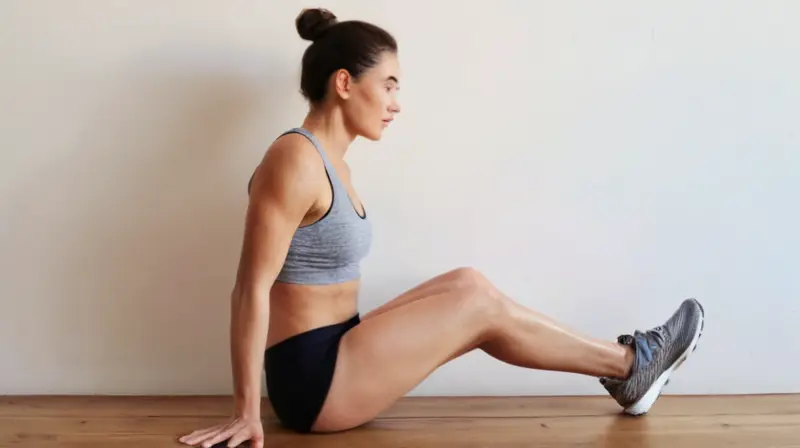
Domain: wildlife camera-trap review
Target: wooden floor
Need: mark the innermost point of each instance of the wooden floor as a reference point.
(675, 422)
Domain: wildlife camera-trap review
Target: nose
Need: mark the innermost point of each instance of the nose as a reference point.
(394, 107)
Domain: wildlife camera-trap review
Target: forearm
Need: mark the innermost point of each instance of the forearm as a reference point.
(248, 331)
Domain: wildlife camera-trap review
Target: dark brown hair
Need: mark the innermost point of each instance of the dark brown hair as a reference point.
(351, 45)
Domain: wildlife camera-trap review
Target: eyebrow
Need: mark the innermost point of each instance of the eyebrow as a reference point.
(393, 78)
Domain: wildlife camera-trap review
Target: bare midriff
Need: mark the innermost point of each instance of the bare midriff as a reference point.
(295, 308)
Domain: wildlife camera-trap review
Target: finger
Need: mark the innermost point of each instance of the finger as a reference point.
(200, 434)
(222, 435)
(257, 443)
(192, 437)
(237, 439)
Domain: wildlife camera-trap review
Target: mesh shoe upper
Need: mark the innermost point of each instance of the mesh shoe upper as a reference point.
(655, 351)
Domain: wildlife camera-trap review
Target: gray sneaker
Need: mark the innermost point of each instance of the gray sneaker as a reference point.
(658, 353)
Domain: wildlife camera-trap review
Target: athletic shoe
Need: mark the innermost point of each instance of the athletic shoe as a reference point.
(658, 353)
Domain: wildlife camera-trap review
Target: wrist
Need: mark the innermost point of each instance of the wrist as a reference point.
(248, 408)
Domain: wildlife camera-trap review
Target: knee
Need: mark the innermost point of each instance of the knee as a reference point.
(471, 279)
(477, 289)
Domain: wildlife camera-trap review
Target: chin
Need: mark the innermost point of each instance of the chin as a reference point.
(373, 135)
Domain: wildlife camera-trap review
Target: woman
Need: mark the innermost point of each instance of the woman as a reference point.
(294, 303)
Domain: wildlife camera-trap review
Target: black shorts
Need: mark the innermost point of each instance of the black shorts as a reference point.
(299, 373)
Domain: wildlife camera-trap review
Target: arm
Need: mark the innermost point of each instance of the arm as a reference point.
(284, 189)
(282, 193)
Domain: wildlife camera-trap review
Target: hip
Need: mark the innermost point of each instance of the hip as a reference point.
(299, 371)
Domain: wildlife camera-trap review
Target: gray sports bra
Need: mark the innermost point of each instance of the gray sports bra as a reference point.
(329, 250)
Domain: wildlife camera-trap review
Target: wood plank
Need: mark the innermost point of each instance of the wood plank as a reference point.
(494, 407)
(709, 422)
(618, 432)
(122, 406)
(532, 407)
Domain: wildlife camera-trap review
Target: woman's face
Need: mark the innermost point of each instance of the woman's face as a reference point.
(370, 102)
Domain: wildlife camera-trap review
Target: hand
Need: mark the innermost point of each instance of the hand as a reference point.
(237, 431)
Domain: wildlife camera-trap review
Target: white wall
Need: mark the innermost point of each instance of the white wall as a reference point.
(616, 157)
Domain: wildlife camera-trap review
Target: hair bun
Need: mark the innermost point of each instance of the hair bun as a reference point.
(312, 22)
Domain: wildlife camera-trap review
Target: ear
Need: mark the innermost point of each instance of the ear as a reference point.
(343, 83)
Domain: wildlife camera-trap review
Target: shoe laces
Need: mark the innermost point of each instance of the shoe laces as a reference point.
(657, 335)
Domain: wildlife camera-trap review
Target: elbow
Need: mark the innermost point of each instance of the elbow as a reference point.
(249, 297)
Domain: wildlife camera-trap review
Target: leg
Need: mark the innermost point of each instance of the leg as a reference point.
(432, 287)
(392, 351)
(465, 279)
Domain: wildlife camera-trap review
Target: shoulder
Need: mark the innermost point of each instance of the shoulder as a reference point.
(290, 164)
(294, 155)
(287, 183)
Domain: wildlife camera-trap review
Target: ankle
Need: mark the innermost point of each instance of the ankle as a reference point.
(627, 361)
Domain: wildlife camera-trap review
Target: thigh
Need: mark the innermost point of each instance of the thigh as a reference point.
(386, 356)
(433, 287)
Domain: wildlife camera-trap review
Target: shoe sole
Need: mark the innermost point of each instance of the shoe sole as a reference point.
(643, 405)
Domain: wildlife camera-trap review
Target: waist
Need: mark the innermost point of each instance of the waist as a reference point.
(296, 308)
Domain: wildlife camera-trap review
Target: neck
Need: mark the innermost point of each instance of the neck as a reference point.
(328, 126)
